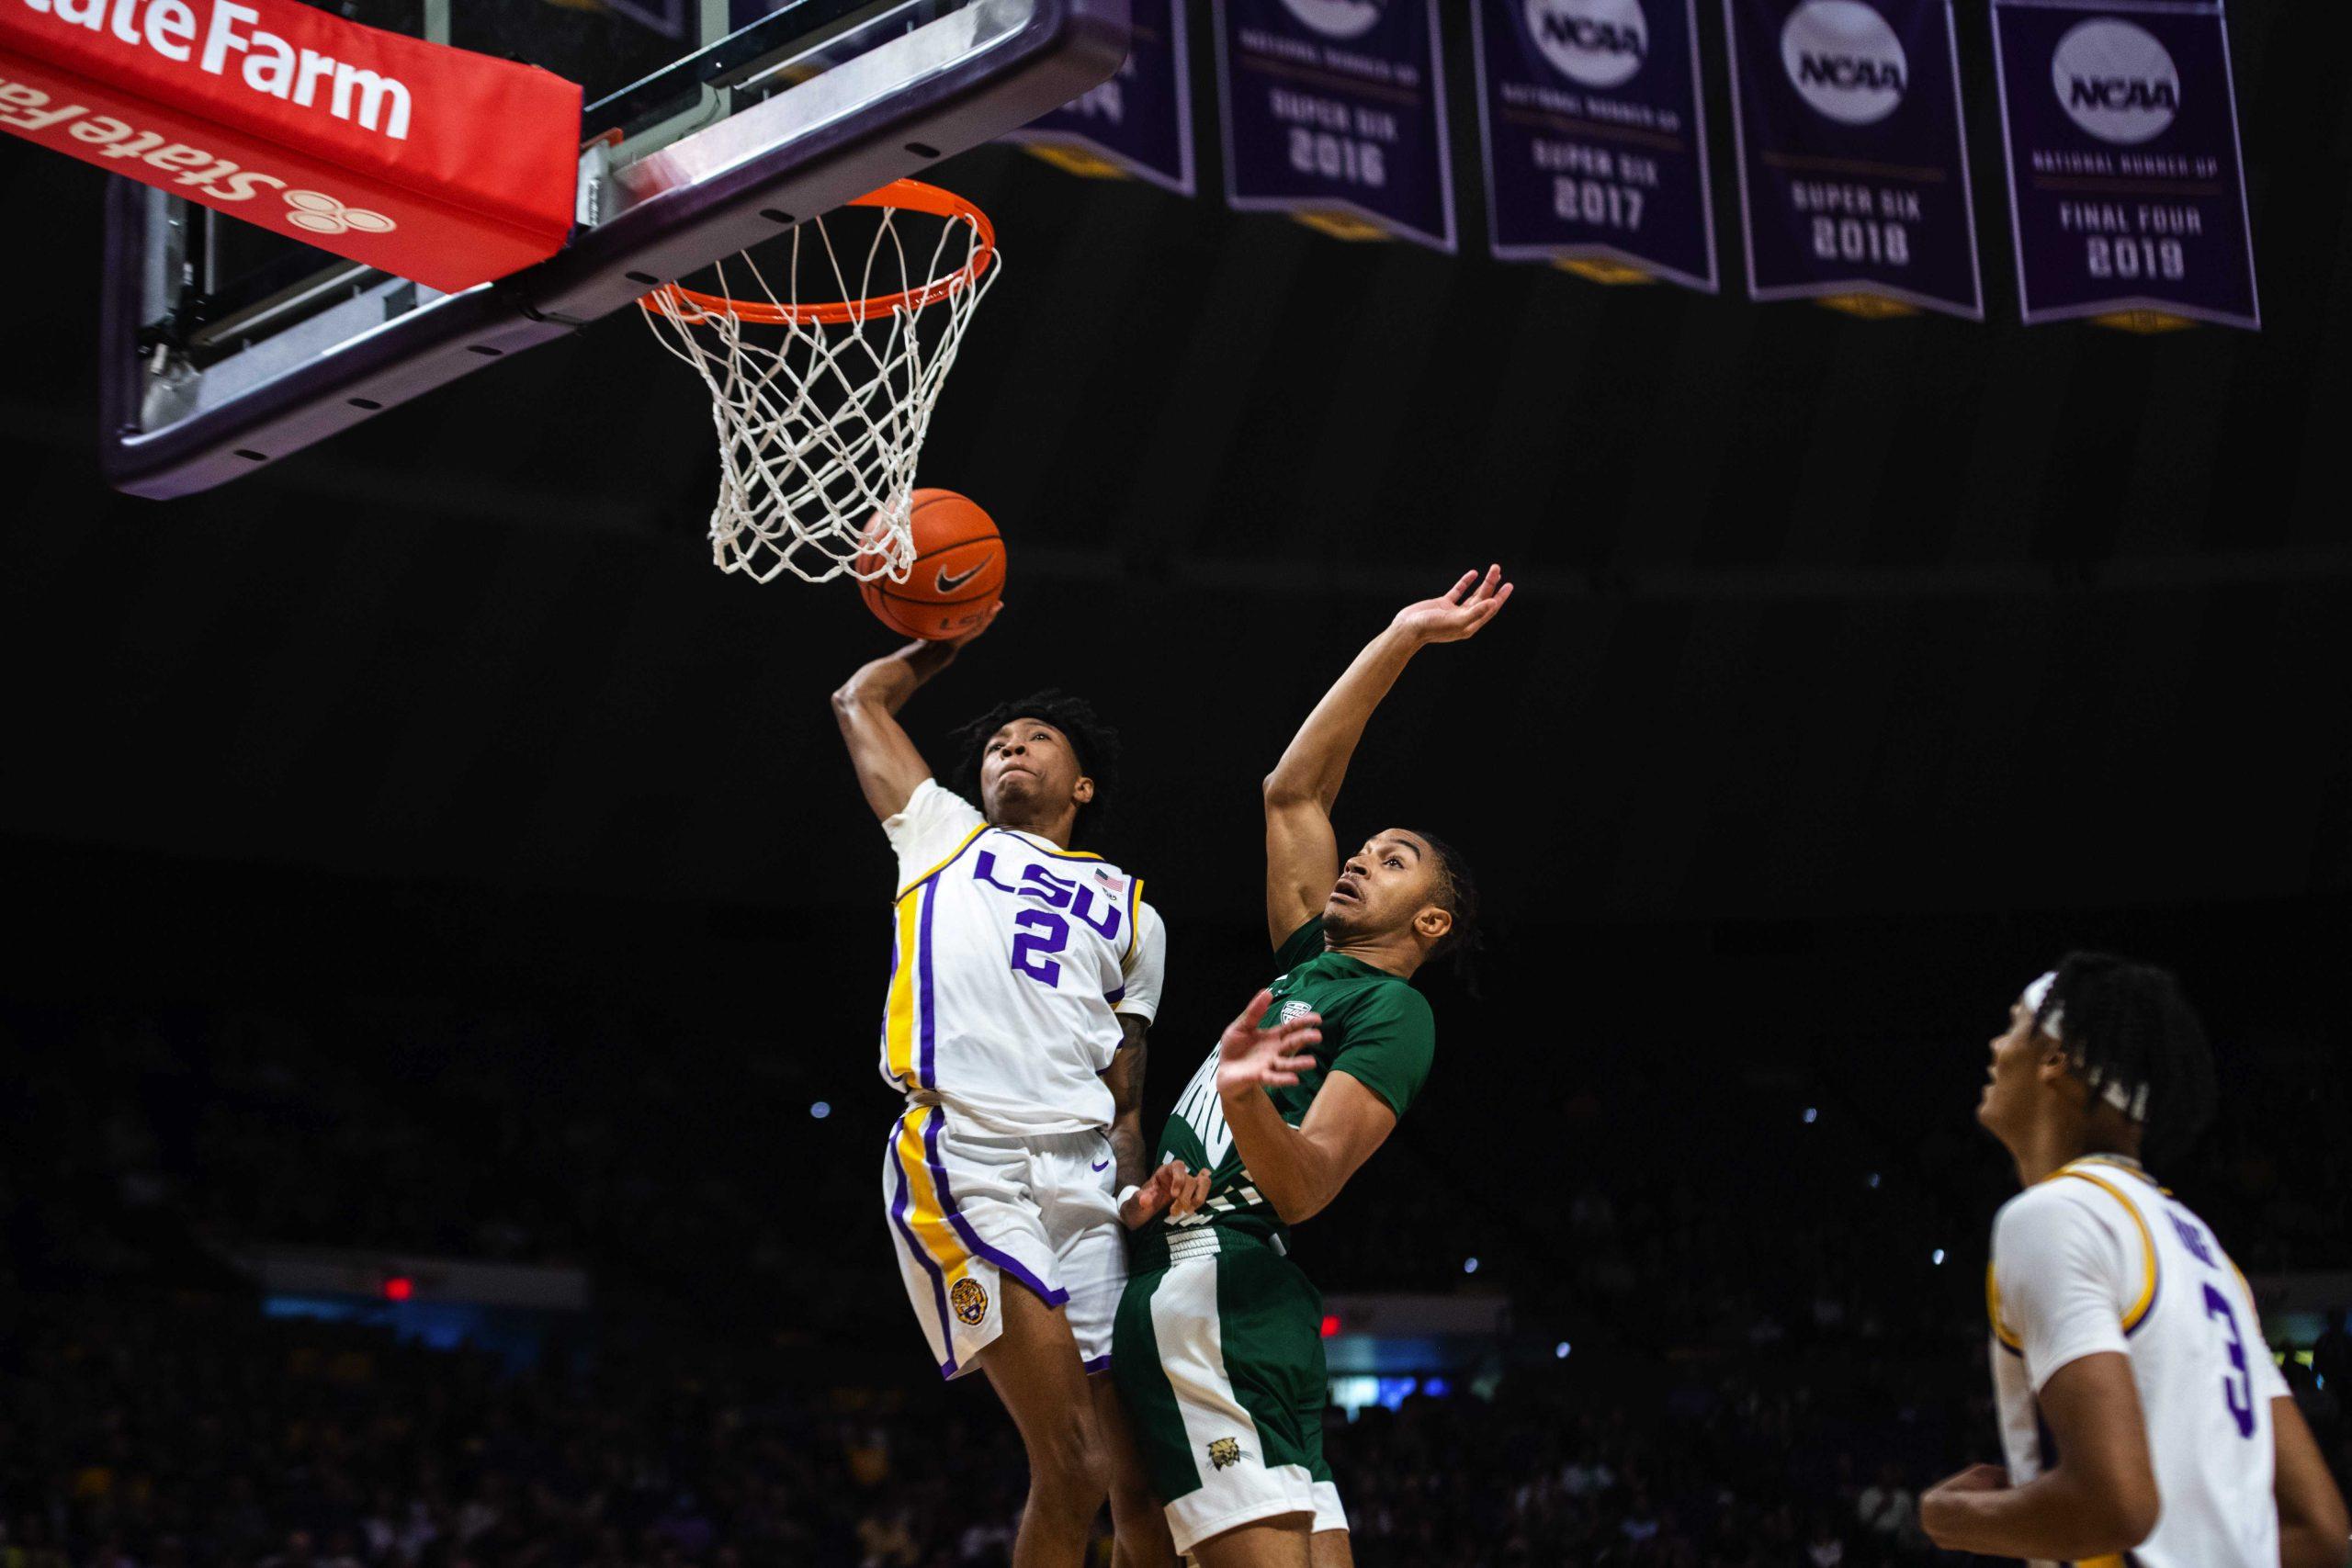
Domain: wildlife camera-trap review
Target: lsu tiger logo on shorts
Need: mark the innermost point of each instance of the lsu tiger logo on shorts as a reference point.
(971, 1300)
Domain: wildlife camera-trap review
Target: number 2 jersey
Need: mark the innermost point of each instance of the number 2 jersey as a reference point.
(1012, 961)
(1376, 1028)
(2099, 1257)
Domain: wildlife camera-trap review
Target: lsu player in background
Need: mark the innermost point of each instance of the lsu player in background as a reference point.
(1219, 1346)
(1023, 977)
(2142, 1419)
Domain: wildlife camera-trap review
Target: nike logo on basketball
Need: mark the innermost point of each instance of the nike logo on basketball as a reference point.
(1102, 1165)
(947, 584)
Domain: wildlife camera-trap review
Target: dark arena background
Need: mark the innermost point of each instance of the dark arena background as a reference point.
(437, 1027)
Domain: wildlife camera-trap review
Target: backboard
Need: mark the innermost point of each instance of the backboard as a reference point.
(710, 126)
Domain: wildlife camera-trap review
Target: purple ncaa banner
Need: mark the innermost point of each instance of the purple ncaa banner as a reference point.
(2126, 179)
(1140, 121)
(1335, 113)
(1853, 153)
(1595, 135)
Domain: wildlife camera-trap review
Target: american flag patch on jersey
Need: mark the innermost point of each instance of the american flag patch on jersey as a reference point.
(1115, 885)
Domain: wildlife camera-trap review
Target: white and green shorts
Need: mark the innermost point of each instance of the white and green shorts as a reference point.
(1219, 1358)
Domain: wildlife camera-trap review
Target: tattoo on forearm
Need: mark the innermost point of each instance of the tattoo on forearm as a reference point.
(1129, 1153)
(1127, 1146)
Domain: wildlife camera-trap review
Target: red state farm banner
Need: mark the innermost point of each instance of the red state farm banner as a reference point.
(429, 162)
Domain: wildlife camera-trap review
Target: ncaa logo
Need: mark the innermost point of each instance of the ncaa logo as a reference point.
(1599, 43)
(2116, 81)
(1845, 60)
(1338, 18)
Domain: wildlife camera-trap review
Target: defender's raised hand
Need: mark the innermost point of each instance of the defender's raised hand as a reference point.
(1248, 1054)
(1457, 612)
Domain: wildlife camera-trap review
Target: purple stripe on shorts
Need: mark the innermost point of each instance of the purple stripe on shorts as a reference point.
(922, 970)
(938, 1279)
(1100, 1364)
(1050, 1296)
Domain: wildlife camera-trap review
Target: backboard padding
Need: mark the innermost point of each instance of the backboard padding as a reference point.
(868, 94)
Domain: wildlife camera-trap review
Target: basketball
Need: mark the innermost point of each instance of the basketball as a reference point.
(958, 573)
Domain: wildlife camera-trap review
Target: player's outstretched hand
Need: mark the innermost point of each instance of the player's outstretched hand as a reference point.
(963, 639)
(1459, 612)
(1247, 1055)
(1171, 1189)
(947, 647)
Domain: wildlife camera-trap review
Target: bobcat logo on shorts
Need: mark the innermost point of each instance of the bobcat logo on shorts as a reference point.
(1225, 1451)
(971, 1300)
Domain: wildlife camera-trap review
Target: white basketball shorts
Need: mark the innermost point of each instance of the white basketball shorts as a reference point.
(973, 1215)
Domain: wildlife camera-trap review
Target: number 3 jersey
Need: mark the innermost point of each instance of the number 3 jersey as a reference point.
(1013, 959)
(2099, 1257)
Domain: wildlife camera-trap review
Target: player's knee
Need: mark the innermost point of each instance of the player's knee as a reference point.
(1131, 1498)
(1066, 1467)
(1127, 1485)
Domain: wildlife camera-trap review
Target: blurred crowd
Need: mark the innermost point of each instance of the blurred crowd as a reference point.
(660, 1157)
(195, 1432)
(1773, 1290)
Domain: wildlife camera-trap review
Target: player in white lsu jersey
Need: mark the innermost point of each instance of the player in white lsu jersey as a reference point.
(1024, 975)
(2142, 1417)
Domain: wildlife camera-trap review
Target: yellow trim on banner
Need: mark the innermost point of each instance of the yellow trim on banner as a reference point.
(1341, 225)
(1601, 269)
(1869, 307)
(1072, 159)
(2145, 323)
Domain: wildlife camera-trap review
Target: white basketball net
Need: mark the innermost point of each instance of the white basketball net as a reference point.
(820, 420)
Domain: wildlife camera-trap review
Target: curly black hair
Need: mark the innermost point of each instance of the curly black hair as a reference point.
(1457, 894)
(1095, 743)
(2125, 1024)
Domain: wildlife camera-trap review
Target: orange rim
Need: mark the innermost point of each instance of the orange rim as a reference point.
(681, 304)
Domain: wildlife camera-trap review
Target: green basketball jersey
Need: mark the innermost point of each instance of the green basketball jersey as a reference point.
(1377, 1029)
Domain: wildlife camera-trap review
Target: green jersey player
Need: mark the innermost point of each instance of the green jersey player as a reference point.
(1217, 1348)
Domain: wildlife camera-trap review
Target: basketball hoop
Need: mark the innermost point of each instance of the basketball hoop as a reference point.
(820, 427)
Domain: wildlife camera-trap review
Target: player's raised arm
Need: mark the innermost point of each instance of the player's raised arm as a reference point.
(866, 706)
(1302, 855)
